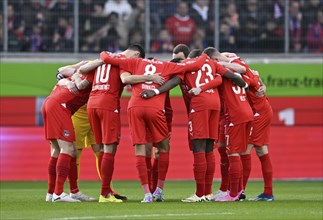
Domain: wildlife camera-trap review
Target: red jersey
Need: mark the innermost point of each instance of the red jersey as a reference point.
(258, 104)
(237, 109)
(106, 88)
(69, 100)
(138, 66)
(208, 99)
(181, 29)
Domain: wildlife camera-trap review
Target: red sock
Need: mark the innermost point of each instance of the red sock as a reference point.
(163, 163)
(107, 168)
(154, 176)
(235, 173)
(72, 176)
(62, 171)
(224, 165)
(210, 169)
(199, 168)
(51, 174)
(142, 172)
(148, 165)
(267, 173)
(100, 161)
(246, 167)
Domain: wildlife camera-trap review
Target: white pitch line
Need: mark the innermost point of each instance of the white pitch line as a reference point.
(142, 216)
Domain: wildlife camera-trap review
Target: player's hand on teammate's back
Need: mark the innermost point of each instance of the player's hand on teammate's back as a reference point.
(195, 91)
(146, 94)
(72, 87)
(156, 78)
(261, 91)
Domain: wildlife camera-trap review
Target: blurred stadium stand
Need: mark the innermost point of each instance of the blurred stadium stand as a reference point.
(90, 26)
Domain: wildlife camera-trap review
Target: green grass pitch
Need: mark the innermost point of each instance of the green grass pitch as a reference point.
(293, 200)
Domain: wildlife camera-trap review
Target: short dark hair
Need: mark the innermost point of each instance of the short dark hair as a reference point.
(195, 53)
(176, 60)
(137, 47)
(182, 48)
(210, 51)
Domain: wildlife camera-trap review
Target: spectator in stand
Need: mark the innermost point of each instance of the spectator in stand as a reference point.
(17, 40)
(277, 10)
(181, 26)
(163, 44)
(248, 37)
(138, 9)
(227, 37)
(309, 10)
(62, 39)
(1, 31)
(137, 37)
(121, 7)
(33, 12)
(93, 28)
(48, 4)
(137, 19)
(36, 39)
(111, 41)
(295, 27)
(272, 38)
(62, 7)
(231, 16)
(163, 9)
(86, 9)
(314, 36)
(199, 41)
(251, 8)
(201, 13)
(229, 26)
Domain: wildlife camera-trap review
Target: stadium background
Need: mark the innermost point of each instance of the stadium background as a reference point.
(38, 36)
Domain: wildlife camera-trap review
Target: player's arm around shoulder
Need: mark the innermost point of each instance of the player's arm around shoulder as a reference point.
(234, 66)
(66, 82)
(88, 67)
(128, 78)
(79, 82)
(214, 83)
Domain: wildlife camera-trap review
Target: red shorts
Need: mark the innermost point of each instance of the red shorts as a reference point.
(204, 124)
(237, 137)
(222, 130)
(105, 124)
(140, 119)
(261, 129)
(149, 136)
(57, 121)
